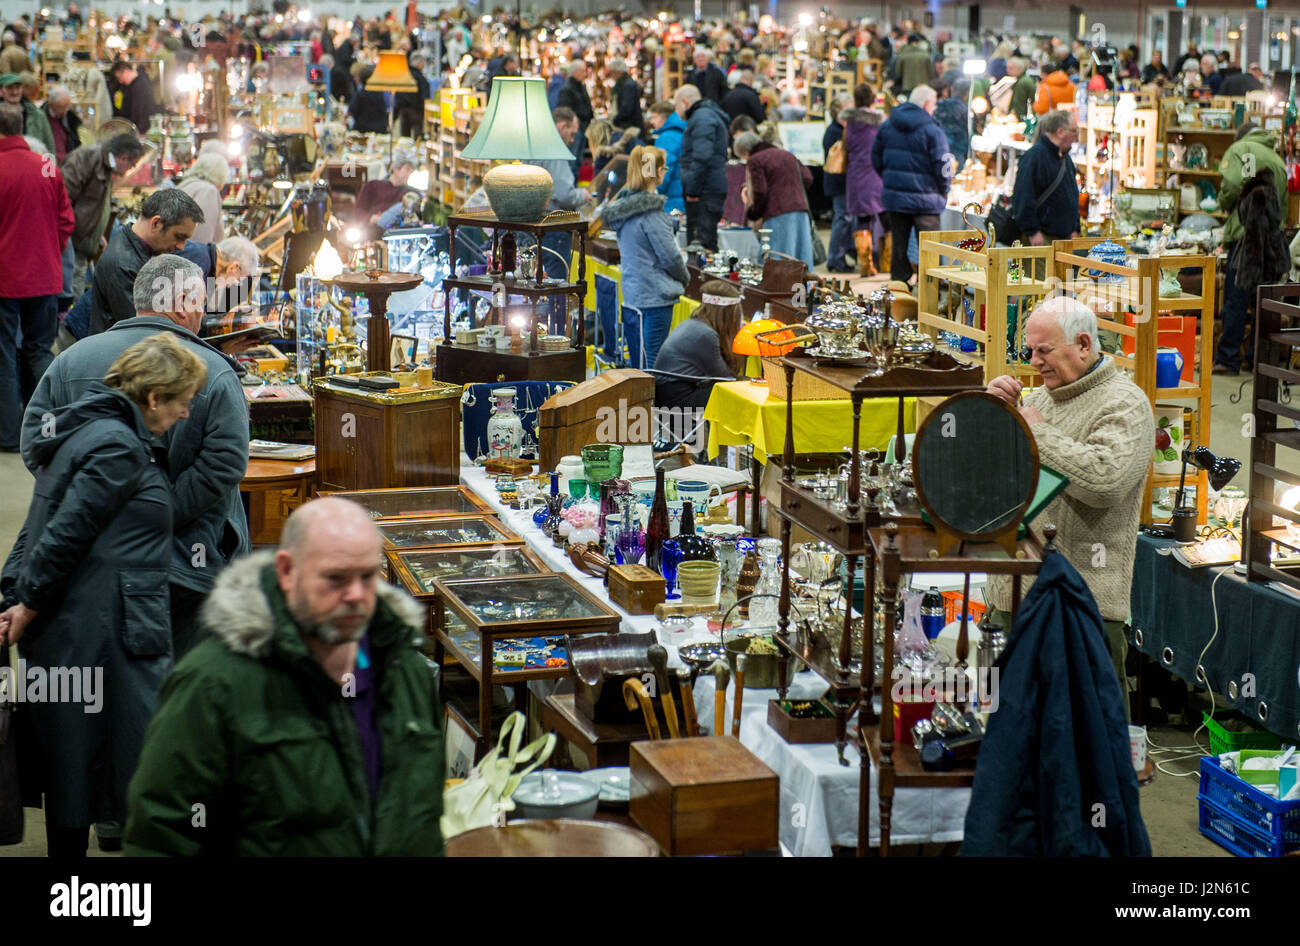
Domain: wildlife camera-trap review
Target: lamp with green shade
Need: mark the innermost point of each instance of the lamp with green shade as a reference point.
(518, 127)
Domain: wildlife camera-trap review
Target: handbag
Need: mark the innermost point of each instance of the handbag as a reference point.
(484, 798)
(1004, 225)
(11, 802)
(834, 163)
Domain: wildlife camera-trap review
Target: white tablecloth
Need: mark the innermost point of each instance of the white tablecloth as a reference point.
(819, 797)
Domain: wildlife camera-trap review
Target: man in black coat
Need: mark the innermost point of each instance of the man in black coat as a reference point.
(342, 88)
(708, 78)
(133, 97)
(369, 110)
(1240, 83)
(1045, 201)
(409, 106)
(744, 100)
(575, 98)
(627, 97)
(703, 165)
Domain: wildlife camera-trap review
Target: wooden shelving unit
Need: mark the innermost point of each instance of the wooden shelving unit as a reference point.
(1132, 144)
(458, 113)
(1277, 336)
(1139, 294)
(990, 274)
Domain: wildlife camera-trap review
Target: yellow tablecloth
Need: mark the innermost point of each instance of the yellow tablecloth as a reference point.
(740, 412)
(681, 312)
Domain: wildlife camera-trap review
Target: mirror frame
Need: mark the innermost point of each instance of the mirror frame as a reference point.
(948, 534)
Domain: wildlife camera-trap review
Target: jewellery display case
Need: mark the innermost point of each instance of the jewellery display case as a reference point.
(528, 618)
(438, 532)
(418, 502)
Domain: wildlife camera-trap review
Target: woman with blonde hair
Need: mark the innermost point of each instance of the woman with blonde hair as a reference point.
(204, 181)
(85, 587)
(654, 273)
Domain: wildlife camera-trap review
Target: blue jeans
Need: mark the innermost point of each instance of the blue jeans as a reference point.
(841, 235)
(791, 235)
(645, 333)
(1233, 317)
(36, 319)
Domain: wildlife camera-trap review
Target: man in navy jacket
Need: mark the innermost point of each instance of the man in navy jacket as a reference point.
(703, 165)
(911, 156)
(1045, 201)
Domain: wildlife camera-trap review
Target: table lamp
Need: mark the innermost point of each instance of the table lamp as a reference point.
(518, 127)
(392, 74)
(1221, 470)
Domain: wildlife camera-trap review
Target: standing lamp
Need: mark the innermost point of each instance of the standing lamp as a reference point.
(392, 74)
(971, 68)
(1221, 470)
(517, 127)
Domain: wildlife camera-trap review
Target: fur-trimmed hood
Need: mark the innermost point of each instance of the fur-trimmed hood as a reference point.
(238, 613)
(867, 116)
(629, 203)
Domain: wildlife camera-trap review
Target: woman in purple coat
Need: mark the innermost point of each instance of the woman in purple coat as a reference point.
(862, 183)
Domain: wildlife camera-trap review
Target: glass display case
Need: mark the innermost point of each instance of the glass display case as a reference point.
(329, 326)
(417, 313)
(418, 570)
(507, 631)
(417, 502)
(439, 532)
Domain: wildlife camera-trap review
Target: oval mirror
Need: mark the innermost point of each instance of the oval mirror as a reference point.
(975, 466)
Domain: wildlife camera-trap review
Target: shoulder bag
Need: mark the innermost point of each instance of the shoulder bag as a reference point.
(484, 798)
(834, 163)
(1004, 225)
(11, 802)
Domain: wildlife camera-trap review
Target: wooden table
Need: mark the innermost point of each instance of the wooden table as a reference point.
(279, 477)
(553, 838)
(603, 744)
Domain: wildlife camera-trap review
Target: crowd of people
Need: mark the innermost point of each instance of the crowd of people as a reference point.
(134, 553)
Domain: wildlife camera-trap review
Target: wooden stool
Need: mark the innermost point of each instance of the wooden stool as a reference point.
(280, 477)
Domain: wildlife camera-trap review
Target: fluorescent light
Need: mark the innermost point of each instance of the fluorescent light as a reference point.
(805, 19)
(974, 67)
(419, 180)
(304, 16)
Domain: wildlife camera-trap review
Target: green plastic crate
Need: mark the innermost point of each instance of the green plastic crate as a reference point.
(1222, 740)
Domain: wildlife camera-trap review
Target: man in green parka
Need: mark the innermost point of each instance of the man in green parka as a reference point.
(309, 723)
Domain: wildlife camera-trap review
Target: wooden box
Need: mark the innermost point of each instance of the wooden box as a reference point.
(795, 730)
(616, 406)
(708, 795)
(381, 440)
(635, 588)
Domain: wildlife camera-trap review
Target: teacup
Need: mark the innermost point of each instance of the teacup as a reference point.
(675, 507)
(698, 492)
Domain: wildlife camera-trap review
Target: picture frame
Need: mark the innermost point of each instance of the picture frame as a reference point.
(460, 744)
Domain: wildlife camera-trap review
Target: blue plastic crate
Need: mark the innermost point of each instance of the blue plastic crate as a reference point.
(1257, 824)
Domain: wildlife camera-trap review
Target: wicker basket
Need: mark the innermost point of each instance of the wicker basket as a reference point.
(806, 387)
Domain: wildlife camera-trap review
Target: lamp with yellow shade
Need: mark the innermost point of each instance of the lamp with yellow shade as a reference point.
(391, 75)
(517, 127)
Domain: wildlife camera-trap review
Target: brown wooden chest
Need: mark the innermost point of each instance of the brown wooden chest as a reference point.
(616, 406)
(635, 588)
(708, 795)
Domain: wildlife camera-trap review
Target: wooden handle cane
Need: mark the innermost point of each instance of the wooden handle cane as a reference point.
(658, 656)
(634, 694)
(690, 724)
(721, 677)
(740, 695)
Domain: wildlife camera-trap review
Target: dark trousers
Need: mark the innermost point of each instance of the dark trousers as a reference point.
(66, 842)
(702, 218)
(1233, 317)
(841, 244)
(901, 226)
(36, 320)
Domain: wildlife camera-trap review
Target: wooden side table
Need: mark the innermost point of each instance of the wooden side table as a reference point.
(603, 744)
(275, 488)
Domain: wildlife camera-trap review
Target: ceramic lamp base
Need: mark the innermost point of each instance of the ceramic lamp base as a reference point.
(518, 193)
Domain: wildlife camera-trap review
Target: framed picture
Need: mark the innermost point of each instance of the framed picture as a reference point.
(459, 744)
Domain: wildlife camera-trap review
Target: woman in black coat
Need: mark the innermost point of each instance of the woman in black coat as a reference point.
(86, 592)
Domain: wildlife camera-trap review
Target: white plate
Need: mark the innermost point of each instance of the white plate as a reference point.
(615, 783)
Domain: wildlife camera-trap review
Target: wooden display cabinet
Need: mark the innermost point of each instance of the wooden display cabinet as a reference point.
(418, 502)
(418, 570)
(377, 440)
(847, 531)
(1277, 336)
(470, 616)
(469, 364)
(441, 532)
(990, 277)
(1139, 292)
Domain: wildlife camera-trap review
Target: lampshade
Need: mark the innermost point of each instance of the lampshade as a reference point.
(747, 344)
(392, 75)
(517, 125)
